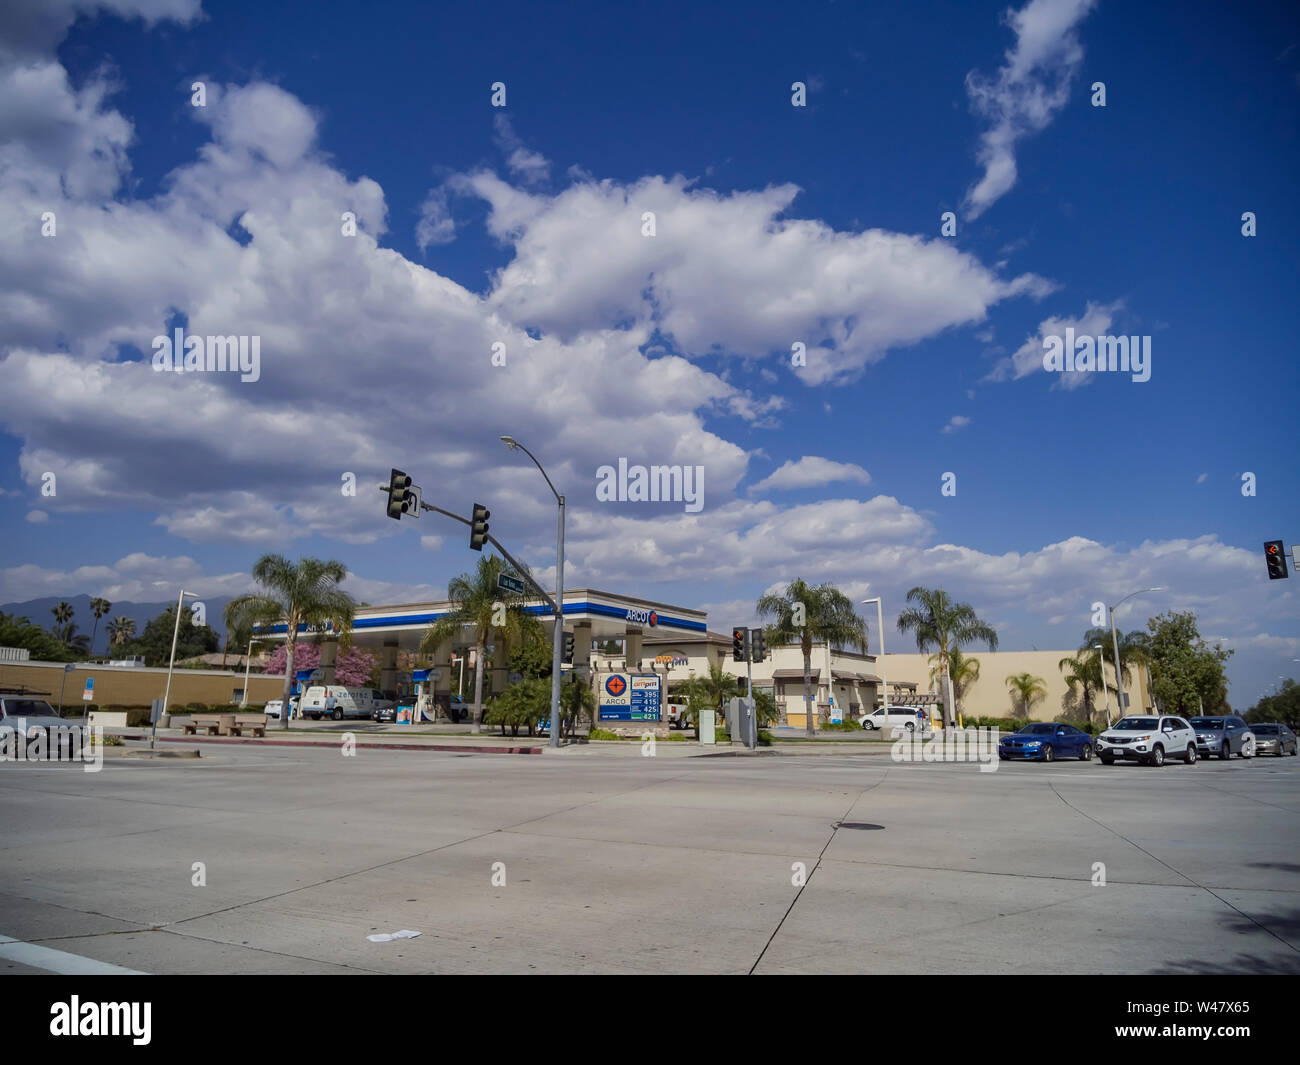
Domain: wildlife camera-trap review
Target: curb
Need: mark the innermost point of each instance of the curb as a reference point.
(368, 746)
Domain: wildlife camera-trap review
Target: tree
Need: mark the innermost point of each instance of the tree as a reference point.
(121, 629)
(1082, 671)
(1283, 705)
(808, 615)
(1187, 674)
(20, 632)
(62, 612)
(352, 665)
(475, 598)
(709, 692)
(520, 705)
(1030, 689)
(98, 607)
(1132, 652)
(577, 701)
(963, 672)
(155, 643)
(239, 631)
(78, 645)
(942, 625)
(303, 594)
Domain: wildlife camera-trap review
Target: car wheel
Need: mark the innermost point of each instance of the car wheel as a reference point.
(1086, 753)
(1106, 759)
(868, 726)
(1004, 757)
(1049, 755)
(1224, 752)
(337, 715)
(910, 726)
(1189, 755)
(314, 717)
(1247, 749)
(1157, 756)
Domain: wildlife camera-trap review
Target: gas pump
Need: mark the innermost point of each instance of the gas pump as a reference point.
(425, 709)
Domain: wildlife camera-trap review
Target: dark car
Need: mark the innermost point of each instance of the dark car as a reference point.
(1046, 742)
(1274, 739)
(384, 713)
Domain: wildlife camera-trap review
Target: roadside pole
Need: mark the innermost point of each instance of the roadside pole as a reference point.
(751, 740)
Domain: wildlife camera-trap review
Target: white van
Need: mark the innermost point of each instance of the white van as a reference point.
(908, 717)
(337, 702)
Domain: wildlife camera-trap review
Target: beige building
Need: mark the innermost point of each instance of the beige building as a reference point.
(135, 685)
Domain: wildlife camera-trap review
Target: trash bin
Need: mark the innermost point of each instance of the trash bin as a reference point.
(706, 726)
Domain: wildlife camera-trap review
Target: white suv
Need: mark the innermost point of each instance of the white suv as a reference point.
(908, 717)
(1149, 740)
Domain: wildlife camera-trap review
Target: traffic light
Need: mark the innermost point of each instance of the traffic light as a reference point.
(400, 497)
(478, 529)
(757, 646)
(1276, 558)
(738, 644)
(568, 649)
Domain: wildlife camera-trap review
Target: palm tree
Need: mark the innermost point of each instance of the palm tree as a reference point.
(1029, 688)
(98, 607)
(121, 629)
(62, 612)
(942, 625)
(1133, 651)
(709, 692)
(1083, 671)
(474, 597)
(809, 615)
(301, 594)
(963, 672)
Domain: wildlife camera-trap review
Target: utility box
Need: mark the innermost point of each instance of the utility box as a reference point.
(740, 717)
(706, 726)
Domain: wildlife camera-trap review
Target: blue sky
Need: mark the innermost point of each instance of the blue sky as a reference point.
(775, 224)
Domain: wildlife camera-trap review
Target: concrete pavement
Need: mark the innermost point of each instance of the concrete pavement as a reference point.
(618, 863)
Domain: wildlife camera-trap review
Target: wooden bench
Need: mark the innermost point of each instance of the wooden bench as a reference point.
(211, 724)
(253, 723)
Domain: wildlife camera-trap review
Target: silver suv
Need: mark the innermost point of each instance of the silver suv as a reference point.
(34, 715)
(1224, 736)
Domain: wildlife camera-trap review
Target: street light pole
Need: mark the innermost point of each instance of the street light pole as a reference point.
(248, 662)
(171, 662)
(557, 651)
(1101, 665)
(1114, 637)
(880, 628)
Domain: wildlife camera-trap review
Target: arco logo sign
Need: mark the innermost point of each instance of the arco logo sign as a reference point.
(643, 617)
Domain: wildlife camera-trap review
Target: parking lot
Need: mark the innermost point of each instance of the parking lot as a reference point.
(613, 862)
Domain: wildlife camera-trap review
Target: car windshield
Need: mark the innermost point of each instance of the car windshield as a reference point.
(1136, 724)
(1208, 722)
(1038, 730)
(28, 708)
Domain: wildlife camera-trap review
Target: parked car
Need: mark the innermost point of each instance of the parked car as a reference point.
(1224, 736)
(337, 701)
(1274, 739)
(1149, 740)
(908, 717)
(1046, 742)
(275, 706)
(30, 716)
(384, 714)
(676, 716)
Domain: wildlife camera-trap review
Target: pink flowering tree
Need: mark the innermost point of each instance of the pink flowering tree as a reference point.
(351, 668)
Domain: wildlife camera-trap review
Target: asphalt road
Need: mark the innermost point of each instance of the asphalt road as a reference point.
(616, 863)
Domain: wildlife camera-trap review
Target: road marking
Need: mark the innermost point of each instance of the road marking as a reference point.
(59, 961)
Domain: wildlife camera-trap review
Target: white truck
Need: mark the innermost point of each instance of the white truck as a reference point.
(676, 716)
(336, 701)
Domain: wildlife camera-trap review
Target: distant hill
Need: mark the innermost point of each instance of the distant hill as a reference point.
(37, 611)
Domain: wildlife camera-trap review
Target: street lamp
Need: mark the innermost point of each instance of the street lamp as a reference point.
(880, 628)
(1114, 637)
(557, 652)
(1101, 659)
(171, 662)
(248, 662)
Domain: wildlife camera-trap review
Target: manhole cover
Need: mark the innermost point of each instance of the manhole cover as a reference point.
(858, 824)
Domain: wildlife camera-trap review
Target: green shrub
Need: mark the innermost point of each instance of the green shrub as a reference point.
(198, 708)
(841, 726)
(137, 718)
(602, 734)
(675, 737)
(764, 738)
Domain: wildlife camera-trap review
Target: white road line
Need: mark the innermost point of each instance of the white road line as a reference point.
(59, 961)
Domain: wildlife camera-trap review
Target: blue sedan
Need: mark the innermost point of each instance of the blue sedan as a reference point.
(1046, 742)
